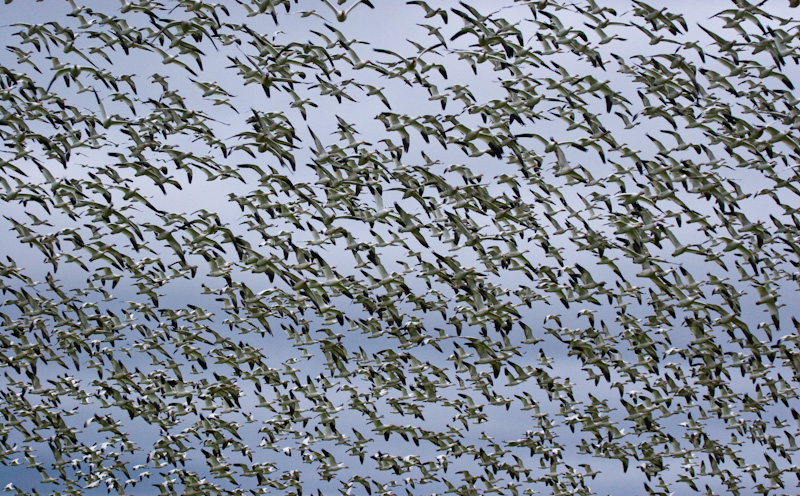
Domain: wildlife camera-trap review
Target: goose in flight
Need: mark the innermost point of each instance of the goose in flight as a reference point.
(341, 14)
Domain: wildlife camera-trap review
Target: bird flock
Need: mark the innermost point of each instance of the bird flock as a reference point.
(362, 247)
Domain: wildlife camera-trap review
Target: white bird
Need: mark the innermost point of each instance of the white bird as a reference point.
(341, 15)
